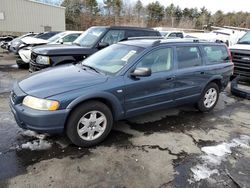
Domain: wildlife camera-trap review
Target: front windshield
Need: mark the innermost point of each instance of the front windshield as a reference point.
(113, 58)
(56, 37)
(164, 33)
(90, 37)
(245, 39)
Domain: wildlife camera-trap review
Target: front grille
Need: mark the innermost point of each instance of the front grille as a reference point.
(13, 97)
(17, 95)
(36, 67)
(33, 57)
(241, 61)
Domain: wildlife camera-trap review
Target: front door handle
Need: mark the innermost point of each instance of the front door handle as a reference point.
(202, 72)
(169, 78)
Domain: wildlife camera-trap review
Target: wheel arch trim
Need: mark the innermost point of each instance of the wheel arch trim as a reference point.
(117, 108)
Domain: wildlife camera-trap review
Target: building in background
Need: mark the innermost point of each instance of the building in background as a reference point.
(22, 16)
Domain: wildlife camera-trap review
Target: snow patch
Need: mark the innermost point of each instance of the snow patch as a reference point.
(202, 172)
(30, 133)
(214, 155)
(219, 150)
(212, 159)
(243, 141)
(37, 145)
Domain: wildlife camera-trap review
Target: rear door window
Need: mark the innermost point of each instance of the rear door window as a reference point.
(179, 35)
(176, 35)
(46, 36)
(71, 37)
(150, 33)
(216, 54)
(188, 56)
(113, 36)
(141, 33)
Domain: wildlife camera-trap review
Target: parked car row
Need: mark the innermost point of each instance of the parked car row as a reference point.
(5, 39)
(21, 46)
(92, 40)
(30, 40)
(24, 53)
(132, 71)
(39, 52)
(15, 42)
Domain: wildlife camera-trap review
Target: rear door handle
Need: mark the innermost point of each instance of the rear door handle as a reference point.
(202, 72)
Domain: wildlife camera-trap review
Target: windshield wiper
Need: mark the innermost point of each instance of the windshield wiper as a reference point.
(92, 68)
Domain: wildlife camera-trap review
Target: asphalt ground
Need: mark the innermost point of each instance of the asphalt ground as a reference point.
(178, 147)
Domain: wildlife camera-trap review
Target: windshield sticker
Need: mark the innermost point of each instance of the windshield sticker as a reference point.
(128, 55)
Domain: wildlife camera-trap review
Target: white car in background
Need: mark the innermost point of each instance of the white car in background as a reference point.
(66, 37)
(172, 34)
(227, 36)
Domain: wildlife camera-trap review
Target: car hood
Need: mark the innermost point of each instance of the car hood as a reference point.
(33, 40)
(60, 79)
(240, 47)
(61, 49)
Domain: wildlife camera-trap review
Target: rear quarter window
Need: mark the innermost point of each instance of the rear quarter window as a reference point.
(134, 33)
(216, 54)
(188, 56)
(141, 33)
(151, 33)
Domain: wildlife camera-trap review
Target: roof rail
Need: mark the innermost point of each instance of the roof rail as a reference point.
(155, 43)
(196, 40)
(219, 41)
(141, 38)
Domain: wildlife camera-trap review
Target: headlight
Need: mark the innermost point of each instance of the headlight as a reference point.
(40, 104)
(43, 60)
(22, 45)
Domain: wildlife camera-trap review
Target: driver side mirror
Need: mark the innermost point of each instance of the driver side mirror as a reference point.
(102, 45)
(60, 41)
(141, 72)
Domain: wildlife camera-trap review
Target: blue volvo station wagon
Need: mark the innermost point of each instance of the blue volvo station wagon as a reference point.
(118, 82)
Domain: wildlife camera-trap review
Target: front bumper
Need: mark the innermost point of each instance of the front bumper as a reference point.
(235, 90)
(37, 120)
(13, 50)
(36, 67)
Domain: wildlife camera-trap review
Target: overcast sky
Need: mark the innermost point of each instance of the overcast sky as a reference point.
(211, 5)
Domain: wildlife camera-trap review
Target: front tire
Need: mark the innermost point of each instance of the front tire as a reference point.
(89, 124)
(209, 98)
(21, 64)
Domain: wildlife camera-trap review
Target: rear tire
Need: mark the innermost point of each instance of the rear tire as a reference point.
(89, 124)
(209, 98)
